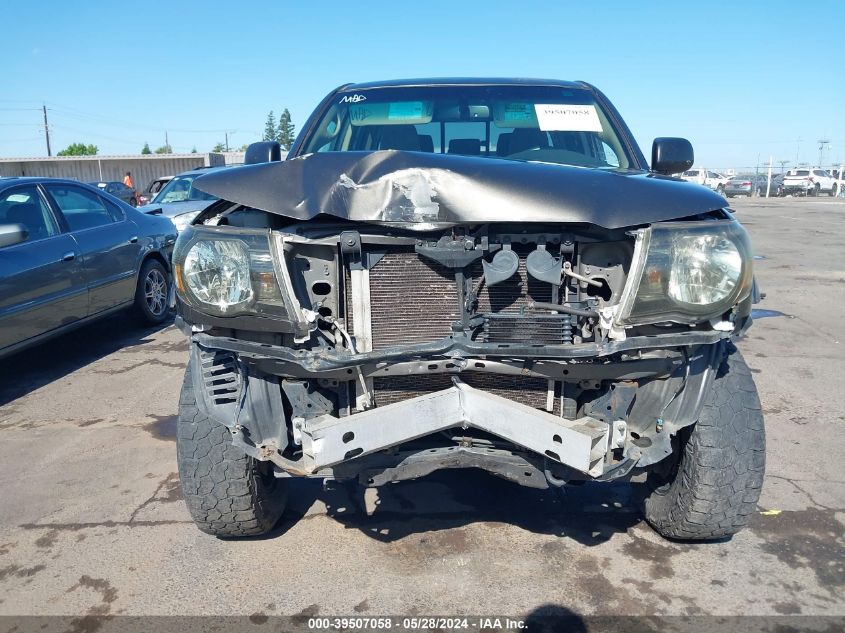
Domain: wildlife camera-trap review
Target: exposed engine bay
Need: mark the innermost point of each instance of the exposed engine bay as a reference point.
(504, 319)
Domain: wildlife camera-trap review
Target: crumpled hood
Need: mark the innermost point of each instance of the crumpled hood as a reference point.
(172, 209)
(423, 190)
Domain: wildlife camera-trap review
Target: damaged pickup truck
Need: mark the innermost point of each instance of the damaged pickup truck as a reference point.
(467, 274)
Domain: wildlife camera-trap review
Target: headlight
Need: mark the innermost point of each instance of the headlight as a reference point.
(227, 272)
(217, 273)
(181, 222)
(686, 272)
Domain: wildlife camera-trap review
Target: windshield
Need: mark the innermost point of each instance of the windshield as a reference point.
(528, 123)
(180, 189)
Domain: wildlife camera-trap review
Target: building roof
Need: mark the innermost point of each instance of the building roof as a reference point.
(96, 157)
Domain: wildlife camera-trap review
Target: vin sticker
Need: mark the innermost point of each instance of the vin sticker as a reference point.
(558, 117)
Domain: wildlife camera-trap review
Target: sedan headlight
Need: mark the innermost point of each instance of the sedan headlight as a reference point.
(227, 272)
(687, 272)
(181, 222)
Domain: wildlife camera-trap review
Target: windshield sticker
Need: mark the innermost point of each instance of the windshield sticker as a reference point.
(353, 99)
(401, 110)
(556, 117)
(517, 112)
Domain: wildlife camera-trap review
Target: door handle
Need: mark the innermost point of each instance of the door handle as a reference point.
(69, 256)
(133, 239)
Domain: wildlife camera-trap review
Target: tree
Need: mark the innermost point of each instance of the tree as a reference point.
(164, 149)
(243, 147)
(146, 149)
(286, 133)
(78, 149)
(270, 128)
(219, 148)
(194, 149)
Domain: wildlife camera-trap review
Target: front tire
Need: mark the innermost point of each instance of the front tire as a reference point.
(229, 494)
(834, 190)
(152, 293)
(715, 483)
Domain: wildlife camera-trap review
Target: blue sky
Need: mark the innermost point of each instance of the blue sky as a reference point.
(738, 81)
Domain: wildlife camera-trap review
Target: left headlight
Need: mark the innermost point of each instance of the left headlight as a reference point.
(226, 272)
(687, 272)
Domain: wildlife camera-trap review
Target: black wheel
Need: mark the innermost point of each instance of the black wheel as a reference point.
(833, 190)
(816, 190)
(152, 293)
(228, 493)
(713, 486)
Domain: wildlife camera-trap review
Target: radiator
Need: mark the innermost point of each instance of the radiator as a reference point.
(523, 389)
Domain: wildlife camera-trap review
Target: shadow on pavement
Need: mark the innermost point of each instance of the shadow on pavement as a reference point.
(42, 364)
(590, 513)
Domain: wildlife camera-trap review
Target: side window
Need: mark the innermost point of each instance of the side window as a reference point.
(610, 156)
(115, 211)
(24, 205)
(82, 209)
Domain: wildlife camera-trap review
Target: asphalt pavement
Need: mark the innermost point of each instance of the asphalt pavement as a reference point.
(92, 521)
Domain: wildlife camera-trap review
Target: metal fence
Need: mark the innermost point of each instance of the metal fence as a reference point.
(144, 168)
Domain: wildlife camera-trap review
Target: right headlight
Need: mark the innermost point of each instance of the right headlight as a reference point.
(229, 272)
(687, 272)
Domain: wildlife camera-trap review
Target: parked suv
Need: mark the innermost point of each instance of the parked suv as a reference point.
(715, 181)
(809, 182)
(467, 274)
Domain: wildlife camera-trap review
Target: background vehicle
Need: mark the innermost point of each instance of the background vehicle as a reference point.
(118, 190)
(509, 287)
(710, 179)
(179, 200)
(744, 186)
(809, 182)
(152, 189)
(69, 255)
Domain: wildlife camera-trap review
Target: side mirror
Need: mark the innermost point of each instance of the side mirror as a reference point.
(263, 152)
(11, 234)
(671, 155)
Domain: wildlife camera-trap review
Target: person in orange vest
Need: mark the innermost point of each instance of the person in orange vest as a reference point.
(127, 180)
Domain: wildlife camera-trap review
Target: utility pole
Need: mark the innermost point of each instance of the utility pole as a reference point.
(783, 163)
(166, 141)
(226, 134)
(822, 143)
(46, 129)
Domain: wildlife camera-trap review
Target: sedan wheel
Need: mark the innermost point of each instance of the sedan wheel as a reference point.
(152, 293)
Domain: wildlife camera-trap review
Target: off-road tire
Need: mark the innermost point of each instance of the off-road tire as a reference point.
(152, 312)
(715, 483)
(228, 493)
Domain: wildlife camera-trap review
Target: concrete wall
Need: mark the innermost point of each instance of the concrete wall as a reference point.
(144, 168)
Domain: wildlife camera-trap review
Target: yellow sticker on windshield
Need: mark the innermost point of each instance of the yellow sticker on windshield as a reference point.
(560, 117)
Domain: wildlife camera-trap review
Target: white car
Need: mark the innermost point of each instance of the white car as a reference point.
(809, 182)
(711, 179)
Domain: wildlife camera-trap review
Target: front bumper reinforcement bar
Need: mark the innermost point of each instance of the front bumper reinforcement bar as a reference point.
(581, 444)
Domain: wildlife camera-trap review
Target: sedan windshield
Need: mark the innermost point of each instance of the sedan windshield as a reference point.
(549, 124)
(180, 189)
